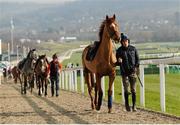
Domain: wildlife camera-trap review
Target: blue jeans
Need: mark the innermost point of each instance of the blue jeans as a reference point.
(56, 82)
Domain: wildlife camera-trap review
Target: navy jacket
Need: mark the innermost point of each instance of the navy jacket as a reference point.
(130, 59)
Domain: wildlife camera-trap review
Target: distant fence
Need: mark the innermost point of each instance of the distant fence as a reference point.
(69, 81)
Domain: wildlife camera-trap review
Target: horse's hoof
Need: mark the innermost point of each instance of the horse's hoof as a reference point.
(97, 108)
(92, 106)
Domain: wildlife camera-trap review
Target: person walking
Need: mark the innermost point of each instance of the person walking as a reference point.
(128, 60)
(55, 68)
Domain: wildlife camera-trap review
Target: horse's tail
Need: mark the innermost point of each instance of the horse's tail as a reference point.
(88, 75)
(85, 70)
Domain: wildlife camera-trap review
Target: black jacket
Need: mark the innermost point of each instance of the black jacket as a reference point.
(130, 59)
(54, 69)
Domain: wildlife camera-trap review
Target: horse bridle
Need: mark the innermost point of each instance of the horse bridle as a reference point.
(112, 33)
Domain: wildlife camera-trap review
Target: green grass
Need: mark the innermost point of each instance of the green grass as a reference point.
(76, 59)
(49, 48)
(152, 87)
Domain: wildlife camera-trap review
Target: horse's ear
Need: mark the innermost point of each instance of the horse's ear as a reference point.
(107, 17)
(114, 16)
(33, 49)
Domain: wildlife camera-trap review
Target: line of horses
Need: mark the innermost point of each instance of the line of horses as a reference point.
(30, 70)
(103, 64)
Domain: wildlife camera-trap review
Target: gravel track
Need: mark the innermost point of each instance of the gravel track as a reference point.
(68, 108)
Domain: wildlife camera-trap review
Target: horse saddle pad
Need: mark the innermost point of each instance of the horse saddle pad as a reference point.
(92, 51)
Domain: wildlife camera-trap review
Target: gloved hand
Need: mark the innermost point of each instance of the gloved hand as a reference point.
(119, 60)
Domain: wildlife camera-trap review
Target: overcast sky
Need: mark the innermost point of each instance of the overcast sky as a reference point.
(38, 1)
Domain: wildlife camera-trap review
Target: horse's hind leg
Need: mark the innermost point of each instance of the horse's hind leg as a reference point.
(46, 84)
(39, 86)
(94, 85)
(42, 81)
(25, 83)
(88, 81)
(19, 77)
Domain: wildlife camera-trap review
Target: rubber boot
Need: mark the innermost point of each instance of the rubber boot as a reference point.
(134, 102)
(127, 101)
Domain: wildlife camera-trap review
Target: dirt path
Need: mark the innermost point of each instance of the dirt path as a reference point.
(67, 108)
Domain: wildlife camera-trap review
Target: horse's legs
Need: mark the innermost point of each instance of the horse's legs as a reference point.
(100, 92)
(39, 85)
(46, 83)
(89, 85)
(43, 82)
(111, 80)
(31, 82)
(19, 77)
(93, 83)
(25, 83)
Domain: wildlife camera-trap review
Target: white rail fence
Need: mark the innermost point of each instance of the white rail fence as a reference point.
(69, 81)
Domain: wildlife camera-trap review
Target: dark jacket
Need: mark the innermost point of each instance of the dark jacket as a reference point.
(130, 59)
(55, 67)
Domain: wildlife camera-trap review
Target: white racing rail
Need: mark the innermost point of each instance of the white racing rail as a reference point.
(69, 80)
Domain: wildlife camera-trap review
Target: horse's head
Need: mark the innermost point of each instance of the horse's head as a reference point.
(32, 54)
(42, 63)
(113, 28)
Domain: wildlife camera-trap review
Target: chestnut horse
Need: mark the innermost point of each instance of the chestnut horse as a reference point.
(41, 71)
(103, 63)
(15, 73)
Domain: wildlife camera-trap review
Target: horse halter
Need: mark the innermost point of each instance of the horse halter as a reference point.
(112, 32)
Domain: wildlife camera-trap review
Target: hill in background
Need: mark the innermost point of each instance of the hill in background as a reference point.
(150, 20)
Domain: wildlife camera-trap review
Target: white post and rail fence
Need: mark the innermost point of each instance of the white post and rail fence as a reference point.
(71, 77)
(69, 80)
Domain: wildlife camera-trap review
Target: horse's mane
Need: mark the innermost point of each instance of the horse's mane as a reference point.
(101, 29)
(28, 56)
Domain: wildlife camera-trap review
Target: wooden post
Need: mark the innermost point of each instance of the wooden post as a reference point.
(122, 89)
(113, 91)
(62, 73)
(69, 72)
(60, 79)
(72, 80)
(142, 92)
(75, 75)
(103, 85)
(0, 78)
(66, 77)
(82, 81)
(162, 88)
